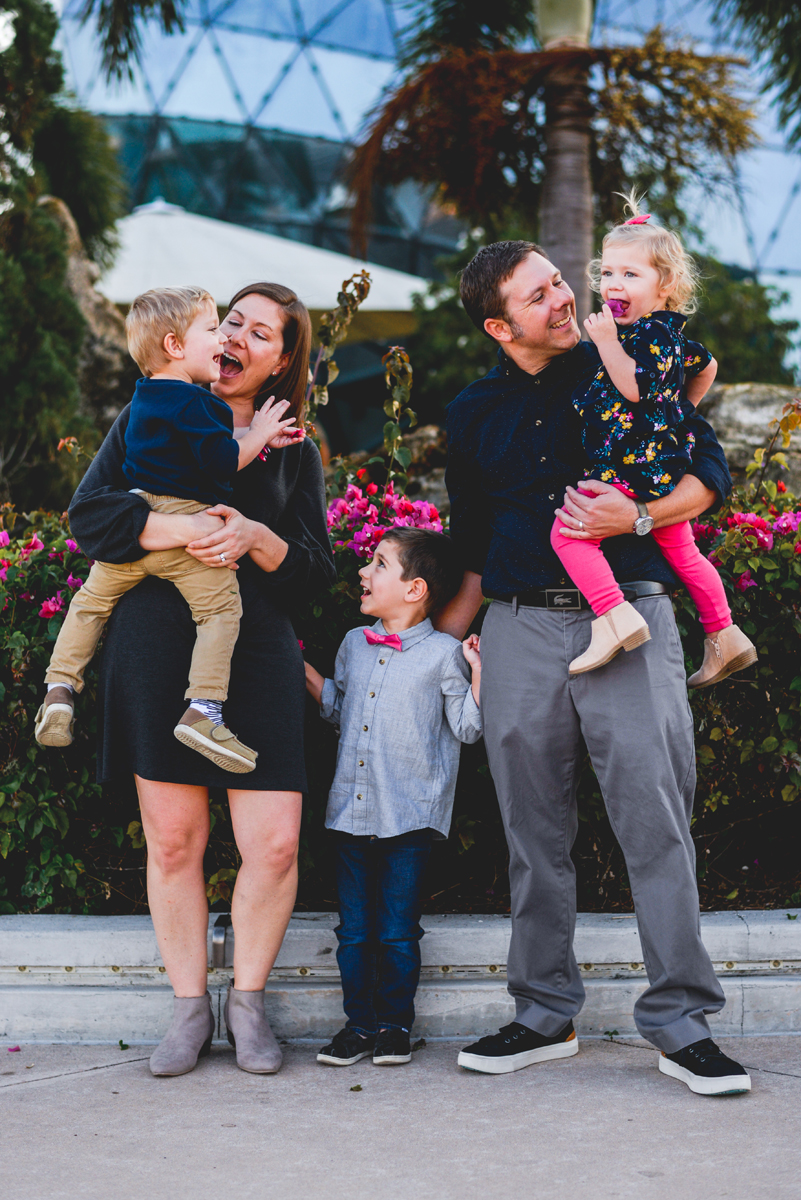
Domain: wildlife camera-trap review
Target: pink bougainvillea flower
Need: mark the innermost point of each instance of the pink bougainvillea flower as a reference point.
(29, 596)
(72, 546)
(74, 582)
(52, 606)
(13, 1049)
(745, 581)
(787, 523)
(4, 565)
(57, 555)
(300, 643)
(4, 538)
(781, 486)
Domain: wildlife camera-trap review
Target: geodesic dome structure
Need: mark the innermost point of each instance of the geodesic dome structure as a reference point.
(247, 114)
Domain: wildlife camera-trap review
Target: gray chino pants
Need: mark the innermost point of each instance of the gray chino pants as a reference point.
(635, 719)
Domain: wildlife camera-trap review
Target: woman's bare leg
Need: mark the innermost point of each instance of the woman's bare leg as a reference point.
(266, 828)
(175, 818)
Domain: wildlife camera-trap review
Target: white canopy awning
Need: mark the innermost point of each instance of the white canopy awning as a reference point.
(162, 245)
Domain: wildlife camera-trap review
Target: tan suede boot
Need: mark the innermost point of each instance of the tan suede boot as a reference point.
(188, 1037)
(622, 628)
(249, 1033)
(55, 718)
(725, 652)
(216, 742)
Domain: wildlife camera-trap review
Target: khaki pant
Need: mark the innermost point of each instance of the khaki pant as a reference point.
(212, 594)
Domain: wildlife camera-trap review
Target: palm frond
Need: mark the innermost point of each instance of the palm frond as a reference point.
(772, 30)
(119, 27)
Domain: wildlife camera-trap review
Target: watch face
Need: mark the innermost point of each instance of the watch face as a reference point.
(643, 525)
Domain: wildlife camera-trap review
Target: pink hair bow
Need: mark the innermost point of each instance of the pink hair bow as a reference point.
(638, 220)
(385, 639)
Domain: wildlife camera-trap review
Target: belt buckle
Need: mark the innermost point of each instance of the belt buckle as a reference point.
(563, 599)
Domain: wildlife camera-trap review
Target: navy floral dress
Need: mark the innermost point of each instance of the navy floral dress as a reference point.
(644, 447)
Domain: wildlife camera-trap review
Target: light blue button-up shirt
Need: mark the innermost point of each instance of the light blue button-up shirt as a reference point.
(402, 715)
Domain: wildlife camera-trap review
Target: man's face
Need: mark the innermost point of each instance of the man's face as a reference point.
(540, 310)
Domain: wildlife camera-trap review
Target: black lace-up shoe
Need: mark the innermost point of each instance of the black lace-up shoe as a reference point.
(706, 1070)
(346, 1048)
(517, 1046)
(392, 1046)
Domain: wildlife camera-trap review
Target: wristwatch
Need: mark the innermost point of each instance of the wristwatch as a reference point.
(644, 524)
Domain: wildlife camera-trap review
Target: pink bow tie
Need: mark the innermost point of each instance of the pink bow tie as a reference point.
(385, 639)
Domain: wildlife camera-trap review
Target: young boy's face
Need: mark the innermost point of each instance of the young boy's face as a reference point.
(385, 593)
(202, 346)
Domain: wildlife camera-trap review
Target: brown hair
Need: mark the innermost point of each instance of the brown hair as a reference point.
(665, 251)
(481, 280)
(425, 554)
(293, 381)
(158, 312)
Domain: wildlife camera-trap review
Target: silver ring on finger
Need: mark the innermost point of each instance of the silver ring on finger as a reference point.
(222, 558)
(581, 526)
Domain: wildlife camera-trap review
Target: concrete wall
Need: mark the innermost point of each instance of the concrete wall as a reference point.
(99, 979)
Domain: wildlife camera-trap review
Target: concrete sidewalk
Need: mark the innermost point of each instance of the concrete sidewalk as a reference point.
(89, 1122)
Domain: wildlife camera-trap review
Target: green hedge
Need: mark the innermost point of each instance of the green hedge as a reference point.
(69, 846)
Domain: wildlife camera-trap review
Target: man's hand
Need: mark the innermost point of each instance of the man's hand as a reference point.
(598, 510)
(601, 327)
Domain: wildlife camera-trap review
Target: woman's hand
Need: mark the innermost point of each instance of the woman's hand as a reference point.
(235, 538)
(598, 510)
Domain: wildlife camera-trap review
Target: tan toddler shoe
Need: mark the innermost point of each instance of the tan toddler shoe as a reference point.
(55, 718)
(622, 628)
(725, 652)
(216, 742)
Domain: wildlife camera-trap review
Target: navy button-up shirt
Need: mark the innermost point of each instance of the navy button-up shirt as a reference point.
(514, 445)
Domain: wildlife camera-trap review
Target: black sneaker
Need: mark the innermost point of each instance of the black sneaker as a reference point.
(392, 1046)
(346, 1048)
(706, 1069)
(517, 1046)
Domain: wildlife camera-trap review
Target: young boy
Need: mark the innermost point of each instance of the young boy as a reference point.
(403, 699)
(181, 454)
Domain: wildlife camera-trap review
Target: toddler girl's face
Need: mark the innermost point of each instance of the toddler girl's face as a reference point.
(630, 285)
(202, 347)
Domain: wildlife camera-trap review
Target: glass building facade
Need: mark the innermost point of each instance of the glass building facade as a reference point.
(248, 114)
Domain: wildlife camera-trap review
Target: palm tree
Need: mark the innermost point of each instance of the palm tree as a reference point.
(533, 141)
(566, 210)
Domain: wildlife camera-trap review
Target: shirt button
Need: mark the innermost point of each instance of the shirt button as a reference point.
(361, 762)
(551, 497)
(372, 695)
(364, 727)
(382, 661)
(543, 458)
(359, 796)
(538, 422)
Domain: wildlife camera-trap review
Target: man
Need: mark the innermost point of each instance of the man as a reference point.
(514, 449)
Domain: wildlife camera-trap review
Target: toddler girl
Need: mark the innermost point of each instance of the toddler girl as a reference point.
(635, 438)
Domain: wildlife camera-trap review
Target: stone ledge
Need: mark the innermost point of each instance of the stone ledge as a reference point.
(602, 939)
(99, 979)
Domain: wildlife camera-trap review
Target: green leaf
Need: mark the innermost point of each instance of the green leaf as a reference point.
(769, 745)
(403, 455)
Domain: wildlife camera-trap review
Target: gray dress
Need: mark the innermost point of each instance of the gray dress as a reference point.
(150, 637)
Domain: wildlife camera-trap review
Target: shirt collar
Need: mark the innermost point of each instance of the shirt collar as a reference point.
(562, 365)
(668, 317)
(409, 636)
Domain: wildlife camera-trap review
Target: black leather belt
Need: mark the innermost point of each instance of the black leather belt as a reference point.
(571, 599)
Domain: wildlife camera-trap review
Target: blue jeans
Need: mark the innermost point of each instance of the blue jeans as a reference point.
(378, 880)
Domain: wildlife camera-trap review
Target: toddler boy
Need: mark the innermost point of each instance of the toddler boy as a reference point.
(181, 454)
(403, 699)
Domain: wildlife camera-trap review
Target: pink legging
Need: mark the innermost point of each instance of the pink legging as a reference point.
(585, 564)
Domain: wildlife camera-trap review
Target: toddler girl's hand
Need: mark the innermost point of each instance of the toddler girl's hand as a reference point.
(601, 326)
(472, 650)
(277, 432)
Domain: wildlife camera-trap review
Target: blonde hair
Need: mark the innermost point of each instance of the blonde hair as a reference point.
(156, 313)
(666, 253)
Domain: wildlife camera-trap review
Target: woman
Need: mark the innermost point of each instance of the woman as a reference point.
(276, 538)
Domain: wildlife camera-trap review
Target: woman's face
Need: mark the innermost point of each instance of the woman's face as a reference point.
(254, 347)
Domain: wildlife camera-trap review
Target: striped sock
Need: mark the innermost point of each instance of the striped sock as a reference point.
(210, 708)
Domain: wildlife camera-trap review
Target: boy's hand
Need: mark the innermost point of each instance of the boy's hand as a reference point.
(278, 433)
(601, 327)
(314, 682)
(472, 651)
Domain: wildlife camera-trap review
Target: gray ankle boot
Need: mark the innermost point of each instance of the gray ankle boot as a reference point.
(250, 1035)
(188, 1037)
